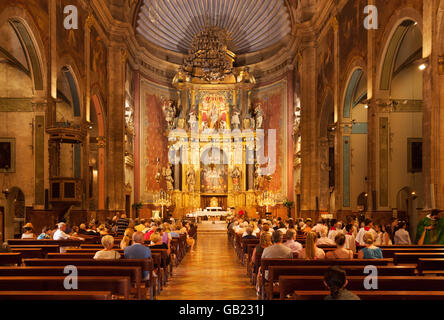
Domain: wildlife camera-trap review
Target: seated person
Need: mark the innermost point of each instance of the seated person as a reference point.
(5, 248)
(84, 231)
(311, 251)
(45, 235)
(248, 234)
(291, 242)
(324, 240)
(340, 252)
(335, 279)
(137, 250)
(126, 240)
(157, 243)
(29, 231)
(61, 235)
(370, 251)
(102, 230)
(107, 253)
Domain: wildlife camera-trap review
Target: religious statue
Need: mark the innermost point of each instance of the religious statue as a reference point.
(192, 121)
(235, 120)
(191, 179)
(257, 177)
(235, 177)
(168, 175)
(259, 116)
(169, 111)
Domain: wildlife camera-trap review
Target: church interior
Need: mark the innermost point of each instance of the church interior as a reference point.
(205, 118)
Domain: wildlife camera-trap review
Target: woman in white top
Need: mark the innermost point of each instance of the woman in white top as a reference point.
(324, 240)
(311, 251)
(107, 253)
(29, 231)
(379, 235)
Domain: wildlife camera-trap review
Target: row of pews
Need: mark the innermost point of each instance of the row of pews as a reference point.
(36, 270)
(406, 273)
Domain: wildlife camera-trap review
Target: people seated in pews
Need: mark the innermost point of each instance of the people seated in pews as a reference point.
(350, 241)
(308, 226)
(320, 225)
(334, 230)
(153, 228)
(61, 235)
(291, 242)
(140, 226)
(335, 279)
(45, 235)
(277, 250)
(137, 250)
(370, 251)
(311, 251)
(29, 231)
(5, 248)
(367, 228)
(402, 236)
(84, 231)
(248, 234)
(264, 242)
(291, 225)
(126, 240)
(341, 252)
(185, 229)
(107, 253)
(103, 231)
(324, 240)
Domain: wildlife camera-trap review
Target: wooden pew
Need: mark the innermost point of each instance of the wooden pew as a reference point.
(29, 253)
(134, 273)
(60, 243)
(430, 266)
(147, 265)
(374, 295)
(412, 258)
(289, 284)
(118, 286)
(55, 295)
(45, 248)
(244, 248)
(266, 263)
(11, 258)
(272, 288)
(390, 252)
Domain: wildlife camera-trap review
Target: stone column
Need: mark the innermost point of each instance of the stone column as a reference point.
(309, 145)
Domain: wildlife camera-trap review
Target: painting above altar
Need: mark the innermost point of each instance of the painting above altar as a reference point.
(214, 111)
(214, 178)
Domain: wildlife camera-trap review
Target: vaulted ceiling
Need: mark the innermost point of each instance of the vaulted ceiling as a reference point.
(252, 25)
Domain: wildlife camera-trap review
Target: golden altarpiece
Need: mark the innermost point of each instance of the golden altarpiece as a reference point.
(212, 129)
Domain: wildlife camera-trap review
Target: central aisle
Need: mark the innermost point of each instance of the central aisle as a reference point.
(211, 272)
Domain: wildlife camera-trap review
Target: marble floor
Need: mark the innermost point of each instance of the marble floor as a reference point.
(211, 272)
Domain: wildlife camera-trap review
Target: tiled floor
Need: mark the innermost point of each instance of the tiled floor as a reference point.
(211, 272)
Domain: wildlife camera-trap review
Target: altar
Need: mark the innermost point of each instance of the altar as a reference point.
(209, 212)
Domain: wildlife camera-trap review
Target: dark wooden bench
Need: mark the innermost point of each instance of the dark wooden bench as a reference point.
(55, 295)
(412, 258)
(390, 252)
(434, 266)
(374, 295)
(29, 253)
(118, 286)
(45, 248)
(134, 273)
(274, 272)
(147, 265)
(10, 258)
(289, 284)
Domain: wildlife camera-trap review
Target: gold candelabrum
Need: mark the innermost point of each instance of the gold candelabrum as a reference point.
(266, 199)
(162, 199)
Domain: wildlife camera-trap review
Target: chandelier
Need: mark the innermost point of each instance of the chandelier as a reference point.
(208, 57)
(266, 199)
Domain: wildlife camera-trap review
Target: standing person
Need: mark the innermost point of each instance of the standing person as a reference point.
(335, 229)
(379, 235)
(350, 241)
(367, 228)
(370, 251)
(122, 225)
(402, 236)
(430, 230)
(387, 235)
(335, 279)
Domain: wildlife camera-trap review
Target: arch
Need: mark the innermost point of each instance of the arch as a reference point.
(29, 35)
(70, 72)
(390, 48)
(350, 99)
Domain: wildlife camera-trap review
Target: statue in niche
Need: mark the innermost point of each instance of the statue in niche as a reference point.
(235, 119)
(168, 175)
(259, 116)
(191, 179)
(235, 177)
(169, 111)
(192, 121)
(257, 177)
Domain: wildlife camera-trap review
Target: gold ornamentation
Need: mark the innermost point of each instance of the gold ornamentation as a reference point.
(124, 55)
(89, 21)
(334, 23)
(441, 65)
(101, 142)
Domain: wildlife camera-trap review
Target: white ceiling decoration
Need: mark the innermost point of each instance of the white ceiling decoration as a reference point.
(252, 25)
